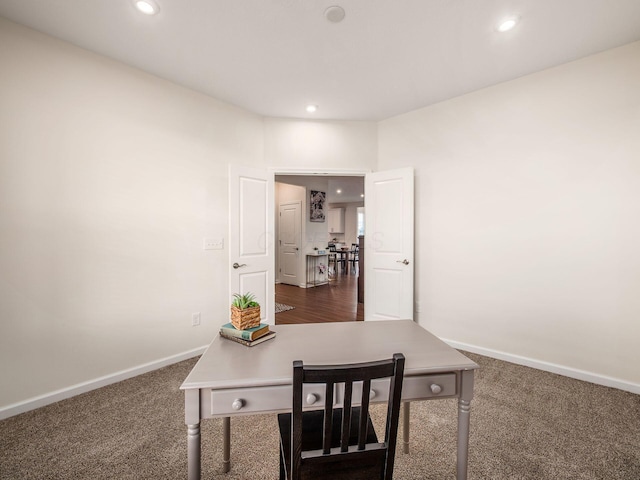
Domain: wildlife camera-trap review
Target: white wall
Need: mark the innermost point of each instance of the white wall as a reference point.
(110, 178)
(527, 215)
(320, 145)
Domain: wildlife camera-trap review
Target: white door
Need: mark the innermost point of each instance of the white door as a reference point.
(388, 276)
(251, 237)
(289, 236)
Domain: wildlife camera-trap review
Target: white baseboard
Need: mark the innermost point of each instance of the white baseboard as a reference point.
(56, 396)
(549, 367)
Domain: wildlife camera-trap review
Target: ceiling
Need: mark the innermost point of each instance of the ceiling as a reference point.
(350, 187)
(273, 57)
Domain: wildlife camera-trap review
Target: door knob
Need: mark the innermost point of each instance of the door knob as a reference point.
(236, 265)
(405, 261)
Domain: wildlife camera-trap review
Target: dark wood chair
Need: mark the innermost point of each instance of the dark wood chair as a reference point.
(354, 256)
(337, 257)
(340, 443)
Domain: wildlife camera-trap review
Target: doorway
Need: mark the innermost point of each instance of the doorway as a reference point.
(389, 217)
(336, 299)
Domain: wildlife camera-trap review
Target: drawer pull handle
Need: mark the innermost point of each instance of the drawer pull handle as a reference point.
(372, 394)
(237, 404)
(435, 388)
(312, 398)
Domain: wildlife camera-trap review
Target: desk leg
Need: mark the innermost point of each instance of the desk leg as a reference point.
(226, 444)
(405, 426)
(464, 416)
(193, 451)
(192, 419)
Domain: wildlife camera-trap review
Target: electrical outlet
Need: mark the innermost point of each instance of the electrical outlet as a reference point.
(418, 307)
(195, 319)
(213, 243)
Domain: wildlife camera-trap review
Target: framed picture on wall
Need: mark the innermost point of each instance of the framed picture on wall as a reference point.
(316, 213)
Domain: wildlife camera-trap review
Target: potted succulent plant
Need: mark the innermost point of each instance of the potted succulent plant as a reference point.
(245, 311)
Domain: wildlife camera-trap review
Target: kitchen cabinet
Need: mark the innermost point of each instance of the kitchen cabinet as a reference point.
(336, 220)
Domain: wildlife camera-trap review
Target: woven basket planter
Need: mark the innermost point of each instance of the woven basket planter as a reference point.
(246, 318)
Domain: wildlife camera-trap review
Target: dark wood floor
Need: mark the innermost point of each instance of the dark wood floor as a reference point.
(336, 301)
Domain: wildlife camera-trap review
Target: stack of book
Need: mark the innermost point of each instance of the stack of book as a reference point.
(248, 337)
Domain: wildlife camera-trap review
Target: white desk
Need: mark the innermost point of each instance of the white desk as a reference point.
(231, 379)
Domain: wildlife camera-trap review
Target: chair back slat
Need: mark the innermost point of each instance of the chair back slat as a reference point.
(296, 422)
(328, 416)
(349, 372)
(364, 414)
(346, 417)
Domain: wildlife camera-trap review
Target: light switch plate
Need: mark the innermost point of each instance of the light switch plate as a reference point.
(213, 243)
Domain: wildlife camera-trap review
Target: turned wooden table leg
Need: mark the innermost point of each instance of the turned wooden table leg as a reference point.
(193, 451)
(464, 417)
(226, 444)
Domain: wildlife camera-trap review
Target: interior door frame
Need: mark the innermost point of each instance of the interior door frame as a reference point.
(320, 172)
(293, 171)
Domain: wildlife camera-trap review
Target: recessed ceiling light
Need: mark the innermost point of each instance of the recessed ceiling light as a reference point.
(362, 195)
(312, 108)
(508, 24)
(148, 7)
(338, 191)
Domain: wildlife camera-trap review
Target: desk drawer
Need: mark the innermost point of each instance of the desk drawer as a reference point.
(235, 401)
(413, 388)
(429, 386)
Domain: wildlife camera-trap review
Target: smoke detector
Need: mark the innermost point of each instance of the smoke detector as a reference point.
(334, 14)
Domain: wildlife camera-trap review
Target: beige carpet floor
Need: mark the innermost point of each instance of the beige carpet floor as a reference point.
(525, 424)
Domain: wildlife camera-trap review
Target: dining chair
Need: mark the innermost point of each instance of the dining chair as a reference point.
(354, 256)
(340, 443)
(338, 257)
(332, 254)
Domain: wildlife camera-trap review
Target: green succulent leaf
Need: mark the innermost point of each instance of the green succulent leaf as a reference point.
(247, 300)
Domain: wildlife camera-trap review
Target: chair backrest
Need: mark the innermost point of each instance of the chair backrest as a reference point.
(372, 457)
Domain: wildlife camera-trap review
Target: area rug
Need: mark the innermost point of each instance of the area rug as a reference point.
(281, 307)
